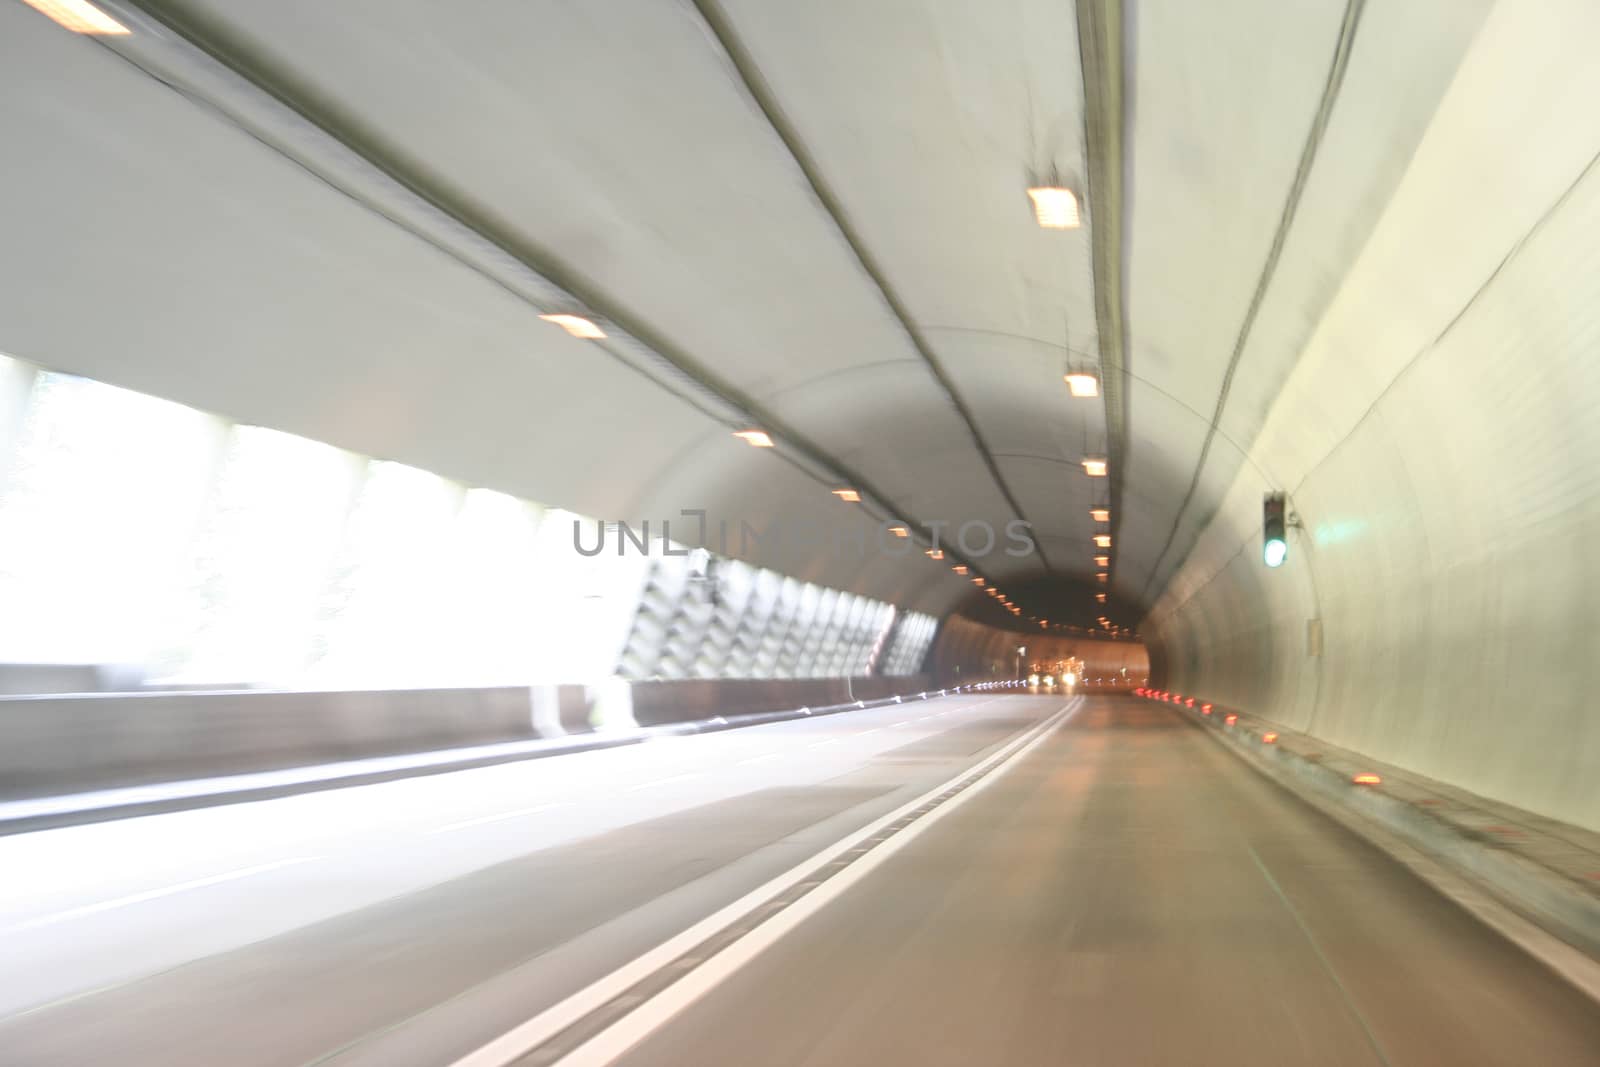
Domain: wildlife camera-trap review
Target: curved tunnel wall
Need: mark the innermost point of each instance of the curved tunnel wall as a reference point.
(1439, 445)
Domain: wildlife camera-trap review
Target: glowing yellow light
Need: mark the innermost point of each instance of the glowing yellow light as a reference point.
(1082, 384)
(1102, 540)
(1055, 208)
(1094, 468)
(1101, 577)
(1100, 514)
(959, 569)
(849, 496)
(1269, 738)
(577, 326)
(900, 531)
(754, 438)
(935, 553)
(79, 16)
(1100, 597)
(977, 582)
(1367, 779)
(1102, 561)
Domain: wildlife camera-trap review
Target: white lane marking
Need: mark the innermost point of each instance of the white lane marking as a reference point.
(662, 781)
(153, 894)
(512, 1045)
(500, 817)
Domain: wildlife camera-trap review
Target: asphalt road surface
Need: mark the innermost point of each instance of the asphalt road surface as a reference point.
(1016, 879)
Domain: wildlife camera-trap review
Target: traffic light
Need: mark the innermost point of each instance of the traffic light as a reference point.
(1274, 529)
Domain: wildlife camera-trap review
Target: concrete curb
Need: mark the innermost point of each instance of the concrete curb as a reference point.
(1566, 906)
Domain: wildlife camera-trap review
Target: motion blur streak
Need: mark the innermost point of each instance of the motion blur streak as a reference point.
(485, 489)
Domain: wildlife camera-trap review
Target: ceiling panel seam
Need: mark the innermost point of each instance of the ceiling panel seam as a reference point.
(445, 218)
(765, 98)
(1100, 59)
(1308, 157)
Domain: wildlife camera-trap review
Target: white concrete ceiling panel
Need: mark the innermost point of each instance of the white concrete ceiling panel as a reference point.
(929, 121)
(616, 137)
(625, 147)
(1224, 94)
(152, 245)
(213, 271)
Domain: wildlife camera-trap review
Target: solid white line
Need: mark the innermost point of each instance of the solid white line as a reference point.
(152, 894)
(628, 1031)
(502, 816)
(517, 1042)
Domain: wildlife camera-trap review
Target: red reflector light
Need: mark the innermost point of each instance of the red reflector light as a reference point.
(1191, 702)
(1269, 737)
(1231, 719)
(1367, 779)
(1206, 708)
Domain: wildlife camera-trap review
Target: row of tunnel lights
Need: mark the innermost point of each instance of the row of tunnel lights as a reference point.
(1268, 737)
(1080, 384)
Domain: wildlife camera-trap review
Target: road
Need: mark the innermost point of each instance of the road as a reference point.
(978, 879)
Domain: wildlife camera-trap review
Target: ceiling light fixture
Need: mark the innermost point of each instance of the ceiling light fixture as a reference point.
(1102, 561)
(1083, 384)
(79, 16)
(849, 496)
(754, 438)
(577, 326)
(1100, 514)
(1094, 467)
(959, 569)
(1055, 207)
(1102, 540)
(900, 531)
(936, 553)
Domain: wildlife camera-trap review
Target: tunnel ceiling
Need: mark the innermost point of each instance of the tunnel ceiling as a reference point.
(808, 215)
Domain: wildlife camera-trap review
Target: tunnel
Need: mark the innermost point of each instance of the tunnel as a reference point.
(727, 532)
